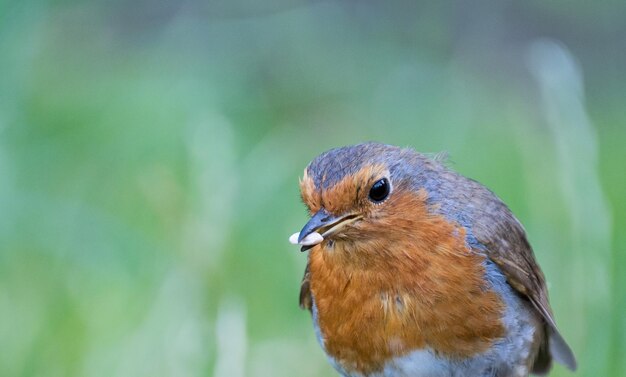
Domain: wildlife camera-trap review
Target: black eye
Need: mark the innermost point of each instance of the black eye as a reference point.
(379, 190)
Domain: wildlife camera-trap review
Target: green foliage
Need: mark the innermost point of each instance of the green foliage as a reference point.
(150, 154)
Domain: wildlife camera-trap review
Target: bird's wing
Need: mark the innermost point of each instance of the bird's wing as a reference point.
(305, 290)
(506, 245)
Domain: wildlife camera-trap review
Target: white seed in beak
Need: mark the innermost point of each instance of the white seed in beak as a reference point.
(312, 239)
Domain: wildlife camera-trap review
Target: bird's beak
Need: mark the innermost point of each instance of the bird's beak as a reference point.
(319, 227)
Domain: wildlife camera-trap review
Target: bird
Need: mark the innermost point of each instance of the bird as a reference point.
(415, 270)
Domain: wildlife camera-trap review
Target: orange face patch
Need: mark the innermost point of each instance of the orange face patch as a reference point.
(401, 279)
(348, 194)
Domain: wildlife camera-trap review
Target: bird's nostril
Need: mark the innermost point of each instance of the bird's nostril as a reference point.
(325, 219)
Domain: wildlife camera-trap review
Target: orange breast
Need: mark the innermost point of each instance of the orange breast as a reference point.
(406, 286)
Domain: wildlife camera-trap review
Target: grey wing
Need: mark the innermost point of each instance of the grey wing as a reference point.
(506, 245)
(305, 290)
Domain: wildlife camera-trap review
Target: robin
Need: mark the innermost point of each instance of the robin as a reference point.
(415, 270)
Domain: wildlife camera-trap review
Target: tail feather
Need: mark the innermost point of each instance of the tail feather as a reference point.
(543, 362)
(560, 350)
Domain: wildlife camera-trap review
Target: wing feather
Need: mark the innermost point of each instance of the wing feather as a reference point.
(305, 290)
(506, 245)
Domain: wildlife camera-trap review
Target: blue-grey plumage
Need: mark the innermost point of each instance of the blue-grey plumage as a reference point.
(338, 179)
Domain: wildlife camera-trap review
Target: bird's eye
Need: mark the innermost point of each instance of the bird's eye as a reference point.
(379, 190)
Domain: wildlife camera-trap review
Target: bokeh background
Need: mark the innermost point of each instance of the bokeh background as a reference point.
(150, 153)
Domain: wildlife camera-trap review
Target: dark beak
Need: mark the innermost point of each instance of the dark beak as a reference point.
(318, 220)
(325, 224)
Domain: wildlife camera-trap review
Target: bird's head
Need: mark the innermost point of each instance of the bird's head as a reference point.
(363, 197)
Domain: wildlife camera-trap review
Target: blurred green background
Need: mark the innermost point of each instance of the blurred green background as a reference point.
(150, 153)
